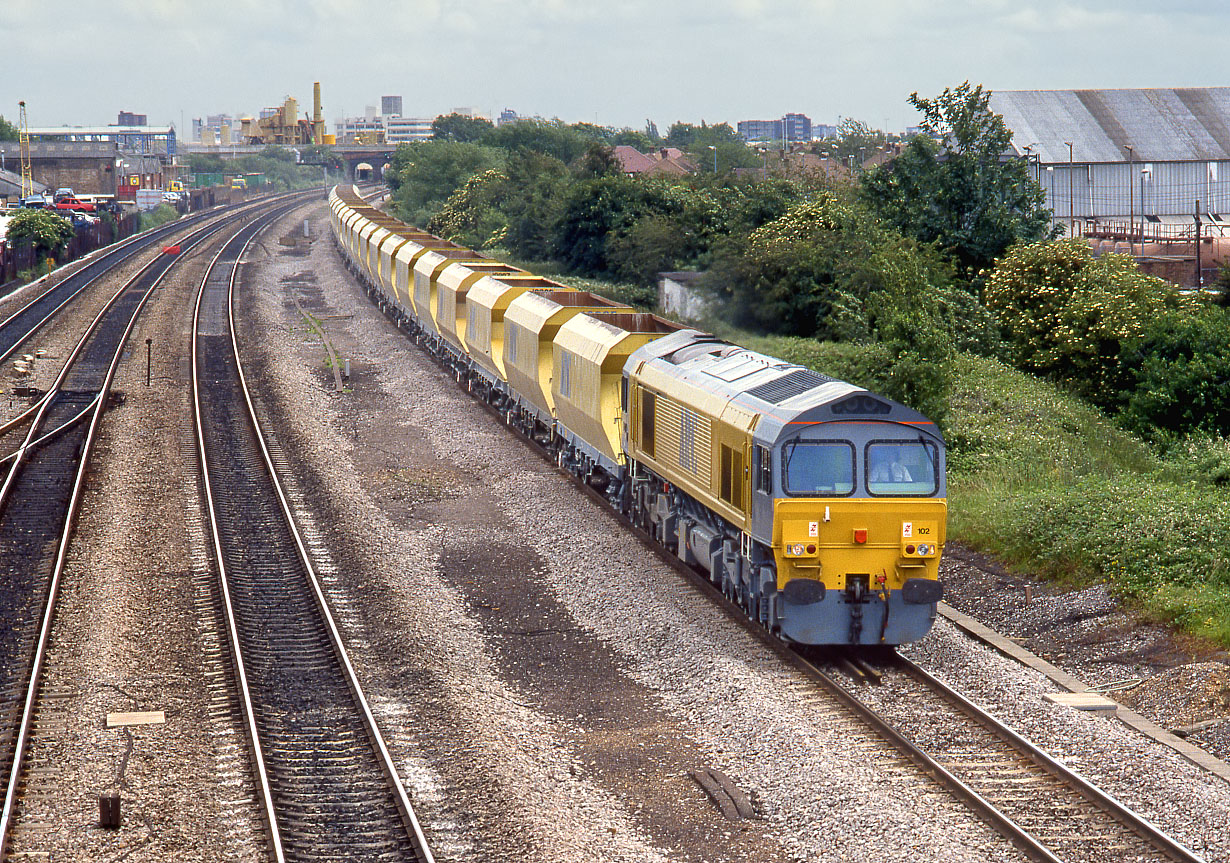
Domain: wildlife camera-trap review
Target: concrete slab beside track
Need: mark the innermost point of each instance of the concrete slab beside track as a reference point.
(1129, 717)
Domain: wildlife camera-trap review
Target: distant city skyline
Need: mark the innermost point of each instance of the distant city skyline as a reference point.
(579, 60)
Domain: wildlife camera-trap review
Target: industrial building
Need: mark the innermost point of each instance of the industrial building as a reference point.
(148, 140)
(1140, 163)
(284, 127)
(103, 160)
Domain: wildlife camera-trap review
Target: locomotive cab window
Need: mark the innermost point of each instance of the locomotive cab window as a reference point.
(902, 468)
(818, 468)
(732, 476)
(763, 469)
(647, 422)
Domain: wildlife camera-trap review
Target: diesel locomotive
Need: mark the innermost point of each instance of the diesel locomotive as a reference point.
(816, 505)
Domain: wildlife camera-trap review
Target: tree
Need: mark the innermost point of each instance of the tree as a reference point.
(686, 136)
(597, 160)
(277, 153)
(460, 128)
(598, 210)
(8, 132)
(47, 231)
(968, 195)
(205, 163)
(632, 138)
(854, 139)
(535, 191)
(1067, 315)
(813, 271)
(472, 216)
(553, 137)
(424, 174)
(318, 154)
(652, 244)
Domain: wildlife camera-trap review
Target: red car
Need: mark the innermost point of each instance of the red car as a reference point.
(69, 202)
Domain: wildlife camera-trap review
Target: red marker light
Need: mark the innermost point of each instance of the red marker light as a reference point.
(860, 535)
(909, 549)
(811, 549)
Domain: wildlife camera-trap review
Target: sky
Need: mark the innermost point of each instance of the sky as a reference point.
(80, 62)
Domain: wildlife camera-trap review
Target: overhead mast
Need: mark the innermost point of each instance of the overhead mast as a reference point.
(23, 137)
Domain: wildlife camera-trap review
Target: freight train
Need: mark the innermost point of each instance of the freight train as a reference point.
(817, 506)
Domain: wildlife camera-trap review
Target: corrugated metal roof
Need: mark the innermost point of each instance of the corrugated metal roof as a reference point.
(1163, 125)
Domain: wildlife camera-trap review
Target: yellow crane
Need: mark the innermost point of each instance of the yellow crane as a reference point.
(23, 137)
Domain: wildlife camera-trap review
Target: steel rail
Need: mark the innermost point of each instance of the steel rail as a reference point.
(124, 250)
(224, 217)
(991, 814)
(262, 773)
(33, 685)
(45, 403)
(1141, 826)
(999, 821)
(335, 635)
(46, 436)
(417, 836)
(93, 270)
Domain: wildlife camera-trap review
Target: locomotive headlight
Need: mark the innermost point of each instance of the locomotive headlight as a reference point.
(795, 548)
(924, 549)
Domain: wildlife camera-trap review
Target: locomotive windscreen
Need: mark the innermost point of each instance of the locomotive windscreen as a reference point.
(820, 468)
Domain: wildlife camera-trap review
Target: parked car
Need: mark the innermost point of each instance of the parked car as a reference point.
(171, 197)
(79, 219)
(71, 202)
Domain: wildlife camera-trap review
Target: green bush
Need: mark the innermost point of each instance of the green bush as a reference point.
(829, 270)
(642, 297)
(1048, 483)
(1066, 314)
(1159, 544)
(1199, 458)
(1179, 375)
(160, 215)
(46, 231)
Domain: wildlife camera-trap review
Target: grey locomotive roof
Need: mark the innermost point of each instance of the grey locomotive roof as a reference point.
(1161, 125)
(781, 392)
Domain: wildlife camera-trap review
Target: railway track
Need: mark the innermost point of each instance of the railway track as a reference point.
(21, 324)
(329, 788)
(39, 498)
(1046, 810)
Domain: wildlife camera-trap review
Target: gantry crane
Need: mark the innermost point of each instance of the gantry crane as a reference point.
(23, 137)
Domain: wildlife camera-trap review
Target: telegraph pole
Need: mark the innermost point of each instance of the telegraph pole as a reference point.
(1071, 201)
(1131, 199)
(1199, 270)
